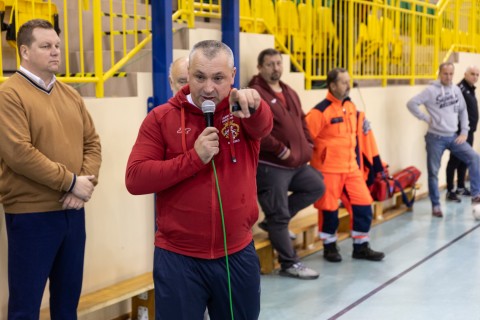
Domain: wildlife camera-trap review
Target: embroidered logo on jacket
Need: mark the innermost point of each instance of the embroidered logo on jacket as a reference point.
(230, 126)
(187, 130)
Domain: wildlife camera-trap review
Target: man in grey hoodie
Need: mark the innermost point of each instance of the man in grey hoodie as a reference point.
(445, 107)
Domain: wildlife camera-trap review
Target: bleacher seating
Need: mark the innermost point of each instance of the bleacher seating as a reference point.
(325, 35)
(266, 11)
(288, 25)
(257, 16)
(245, 13)
(24, 10)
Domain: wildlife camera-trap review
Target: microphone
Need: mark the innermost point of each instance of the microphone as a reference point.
(208, 108)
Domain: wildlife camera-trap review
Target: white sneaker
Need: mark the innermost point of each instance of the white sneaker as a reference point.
(300, 271)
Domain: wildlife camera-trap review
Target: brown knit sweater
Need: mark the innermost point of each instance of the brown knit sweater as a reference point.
(45, 137)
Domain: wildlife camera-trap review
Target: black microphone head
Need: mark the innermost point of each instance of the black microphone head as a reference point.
(208, 106)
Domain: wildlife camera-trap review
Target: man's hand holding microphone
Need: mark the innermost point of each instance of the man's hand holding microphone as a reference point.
(242, 102)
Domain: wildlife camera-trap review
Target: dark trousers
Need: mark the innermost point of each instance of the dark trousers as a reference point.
(273, 186)
(456, 164)
(41, 246)
(184, 286)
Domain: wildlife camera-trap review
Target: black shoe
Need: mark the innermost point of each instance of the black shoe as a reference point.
(452, 196)
(437, 212)
(363, 251)
(330, 252)
(463, 192)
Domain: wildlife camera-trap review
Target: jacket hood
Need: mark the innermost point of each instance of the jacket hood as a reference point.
(257, 80)
(438, 84)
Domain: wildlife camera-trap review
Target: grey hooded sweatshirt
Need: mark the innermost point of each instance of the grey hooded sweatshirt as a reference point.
(445, 106)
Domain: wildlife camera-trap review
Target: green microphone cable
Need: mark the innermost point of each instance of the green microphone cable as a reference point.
(224, 239)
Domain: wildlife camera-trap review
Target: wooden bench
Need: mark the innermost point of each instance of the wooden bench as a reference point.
(306, 230)
(138, 289)
(379, 209)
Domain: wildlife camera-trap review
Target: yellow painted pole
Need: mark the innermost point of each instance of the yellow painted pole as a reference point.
(350, 38)
(385, 55)
(308, 46)
(65, 37)
(135, 23)
(16, 30)
(436, 45)
(112, 39)
(413, 52)
(80, 35)
(124, 27)
(97, 48)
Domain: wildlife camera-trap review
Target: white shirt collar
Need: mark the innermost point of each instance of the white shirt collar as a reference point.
(38, 80)
(189, 99)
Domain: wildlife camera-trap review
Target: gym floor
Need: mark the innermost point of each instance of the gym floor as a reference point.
(431, 271)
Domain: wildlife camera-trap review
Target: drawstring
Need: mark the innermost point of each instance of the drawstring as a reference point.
(232, 147)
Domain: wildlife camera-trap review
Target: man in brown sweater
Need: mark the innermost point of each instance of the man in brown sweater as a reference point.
(49, 163)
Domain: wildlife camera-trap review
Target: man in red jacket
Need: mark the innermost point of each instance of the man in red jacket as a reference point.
(195, 196)
(333, 126)
(283, 167)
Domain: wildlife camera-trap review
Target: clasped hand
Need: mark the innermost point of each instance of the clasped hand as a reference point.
(82, 192)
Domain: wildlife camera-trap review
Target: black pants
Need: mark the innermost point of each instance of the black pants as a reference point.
(456, 164)
(273, 186)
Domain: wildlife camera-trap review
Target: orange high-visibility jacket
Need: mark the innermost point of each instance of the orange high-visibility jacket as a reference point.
(333, 127)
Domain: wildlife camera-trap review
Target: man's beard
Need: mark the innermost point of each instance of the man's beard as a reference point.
(275, 76)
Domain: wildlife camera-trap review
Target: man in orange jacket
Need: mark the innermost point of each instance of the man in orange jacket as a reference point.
(333, 127)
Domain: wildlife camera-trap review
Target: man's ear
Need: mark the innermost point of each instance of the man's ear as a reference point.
(234, 72)
(23, 51)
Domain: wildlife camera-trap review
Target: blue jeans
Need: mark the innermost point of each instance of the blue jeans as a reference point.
(436, 145)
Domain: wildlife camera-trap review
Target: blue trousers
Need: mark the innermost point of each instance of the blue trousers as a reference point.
(456, 164)
(41, 246)
(436, 145)
(185, 286)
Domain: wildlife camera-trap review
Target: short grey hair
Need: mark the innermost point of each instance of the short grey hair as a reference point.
(443, 65)
(211, 48)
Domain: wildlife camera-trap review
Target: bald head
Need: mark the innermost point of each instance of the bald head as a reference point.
(178, 75)
(471, 75)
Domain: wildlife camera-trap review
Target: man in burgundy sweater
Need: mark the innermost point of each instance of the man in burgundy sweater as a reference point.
(284, 155)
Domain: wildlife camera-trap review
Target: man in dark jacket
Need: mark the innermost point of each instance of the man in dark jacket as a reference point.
(283, 167)
(467, 85)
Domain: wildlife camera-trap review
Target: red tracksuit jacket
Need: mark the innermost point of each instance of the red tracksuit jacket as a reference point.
(163, 161)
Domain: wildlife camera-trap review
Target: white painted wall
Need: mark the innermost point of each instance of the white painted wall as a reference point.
(120, 226)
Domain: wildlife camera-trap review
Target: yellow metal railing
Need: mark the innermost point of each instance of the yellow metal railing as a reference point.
(121, 28)
(387, 39)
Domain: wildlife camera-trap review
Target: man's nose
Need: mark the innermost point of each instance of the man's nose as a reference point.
(209, 86)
